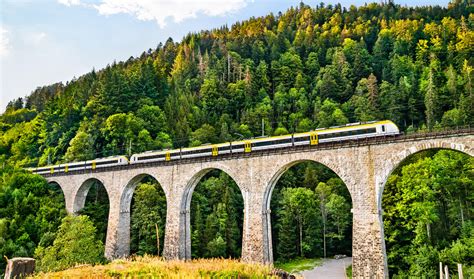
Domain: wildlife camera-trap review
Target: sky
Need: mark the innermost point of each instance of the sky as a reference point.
(48, 41)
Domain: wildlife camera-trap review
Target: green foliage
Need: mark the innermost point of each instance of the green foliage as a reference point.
(216, 248)
(309, 215)
(298, 265)
(297, 213)
(75, 243)
(81, 148)
(154, 119)
(96, 207)
(216, 217)
(30, 211)
(148, 213)
(349, 271)
(427, 214)
(205, 134)
(306, 68)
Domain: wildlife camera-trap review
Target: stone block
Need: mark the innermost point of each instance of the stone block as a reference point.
(19, 267)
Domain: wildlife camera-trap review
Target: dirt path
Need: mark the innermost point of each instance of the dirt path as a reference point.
(329, 269)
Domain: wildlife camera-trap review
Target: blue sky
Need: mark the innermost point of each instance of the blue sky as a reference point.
(47, 41)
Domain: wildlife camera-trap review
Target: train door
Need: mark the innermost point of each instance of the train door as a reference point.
(248, 147)
(215, 150)
(313, 139)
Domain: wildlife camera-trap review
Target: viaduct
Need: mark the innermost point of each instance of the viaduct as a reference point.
(363, 165)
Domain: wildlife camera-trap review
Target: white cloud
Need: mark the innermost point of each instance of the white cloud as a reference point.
(37, 38)
(32, 37)
(161, 10)
(70, 2)
(4, 42)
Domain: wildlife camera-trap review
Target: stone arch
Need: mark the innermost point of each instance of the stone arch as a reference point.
(63, 190)
(184, 214)
(81, 193)
(127, 193)
(54, 181)
(400, 157)
(267, 226)
(123, 228)
(62, 187)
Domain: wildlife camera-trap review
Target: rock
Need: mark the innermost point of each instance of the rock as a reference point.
(19, 267)
(282, 274)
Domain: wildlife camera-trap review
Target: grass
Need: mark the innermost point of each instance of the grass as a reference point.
(297, 265)
(154, 267)
(349, 271)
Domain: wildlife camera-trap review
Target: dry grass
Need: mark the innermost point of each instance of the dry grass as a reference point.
(154, 267)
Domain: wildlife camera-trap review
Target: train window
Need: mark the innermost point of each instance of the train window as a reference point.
(302, 139)
(383, 128)
(151, 157)
(328, 136)
(224, 148)
(106, 162)
(263, 143)
(282, 141)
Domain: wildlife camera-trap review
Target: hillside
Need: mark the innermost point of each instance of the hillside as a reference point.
(305, 68)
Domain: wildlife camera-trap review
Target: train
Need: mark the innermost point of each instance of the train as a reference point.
(84, 165)
(352, 131)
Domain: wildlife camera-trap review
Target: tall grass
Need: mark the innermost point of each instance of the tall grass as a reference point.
(154, 267)
(298, 265)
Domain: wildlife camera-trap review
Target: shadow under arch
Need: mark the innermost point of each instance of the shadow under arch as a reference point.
(57, 188)
(57, 185)
(124, 233)
(267, 226)
(185, 209)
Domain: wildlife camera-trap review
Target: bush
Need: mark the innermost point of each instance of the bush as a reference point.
(75, 243)
(216, 247)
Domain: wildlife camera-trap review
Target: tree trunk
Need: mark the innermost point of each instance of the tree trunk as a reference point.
(300, 225)
(428, 231)
(324, 229)
(157, 238)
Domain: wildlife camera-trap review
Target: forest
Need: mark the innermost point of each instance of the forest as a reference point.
(298, 70)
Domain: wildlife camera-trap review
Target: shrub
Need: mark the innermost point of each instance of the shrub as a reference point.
(75, 243)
